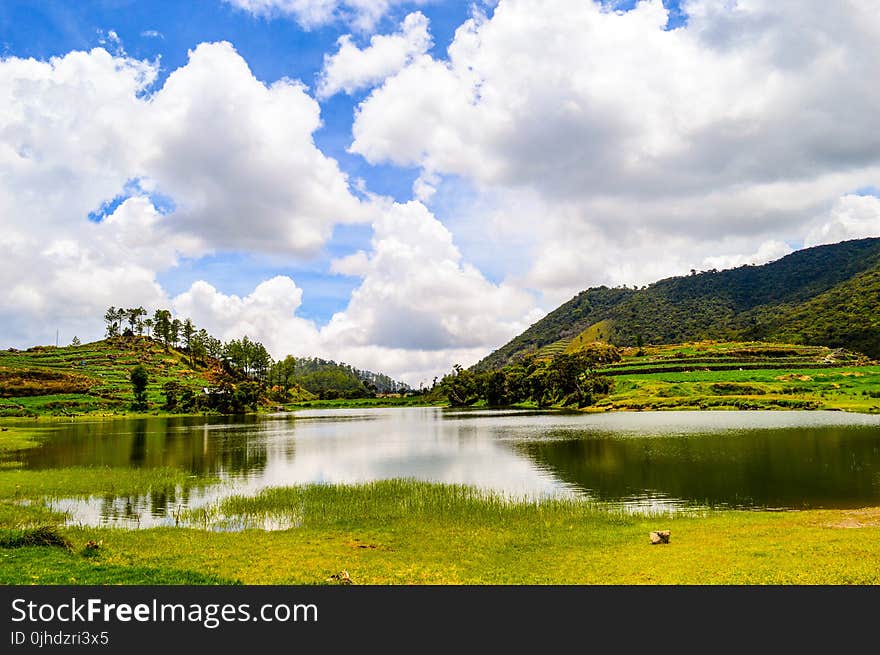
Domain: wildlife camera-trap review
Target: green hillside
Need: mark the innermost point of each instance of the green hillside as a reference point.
(827, 295)
(94, 377)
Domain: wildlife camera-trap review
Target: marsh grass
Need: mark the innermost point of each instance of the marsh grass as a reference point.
(17, 438)
(82, 481)
(404, 501)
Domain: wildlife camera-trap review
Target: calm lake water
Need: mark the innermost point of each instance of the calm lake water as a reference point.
(642, 461)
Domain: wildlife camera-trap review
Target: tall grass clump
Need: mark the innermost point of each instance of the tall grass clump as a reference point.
(44, 535)
(403, 500)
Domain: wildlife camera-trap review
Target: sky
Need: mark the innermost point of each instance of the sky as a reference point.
(405, 185)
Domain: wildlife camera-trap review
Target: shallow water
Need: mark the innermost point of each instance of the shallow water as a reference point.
(650, 461)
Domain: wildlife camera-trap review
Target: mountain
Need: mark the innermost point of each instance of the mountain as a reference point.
(827, 295)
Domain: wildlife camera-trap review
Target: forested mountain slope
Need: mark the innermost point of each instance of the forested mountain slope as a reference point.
(826, 295)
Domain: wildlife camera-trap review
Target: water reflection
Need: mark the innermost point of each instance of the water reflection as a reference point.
(644, 461)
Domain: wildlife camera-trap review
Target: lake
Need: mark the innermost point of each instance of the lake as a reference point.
(644, 461)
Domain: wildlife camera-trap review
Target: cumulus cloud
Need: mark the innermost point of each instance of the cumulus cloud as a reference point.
(239, 160)
(361, 14)
(853, 217)
(352, 68)
(742, 125)
(267, 314)
(418, 293)
(767, 252)
(213, 160)
(66, 281)
(419, 307)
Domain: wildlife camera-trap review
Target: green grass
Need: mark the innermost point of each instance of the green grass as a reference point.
(91, 481)
(17, 438)
(50, 566)
(404, 532)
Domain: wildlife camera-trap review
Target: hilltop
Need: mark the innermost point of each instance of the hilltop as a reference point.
(94, 377)
(824, 296)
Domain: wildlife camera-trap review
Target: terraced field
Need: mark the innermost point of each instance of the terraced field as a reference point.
(742, 375)
(91, 378)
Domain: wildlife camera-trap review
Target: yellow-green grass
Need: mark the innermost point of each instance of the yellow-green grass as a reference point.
(601, 331)
(16, 438)
(404, 532)
(91, 480)
(23, 492)
(552, 349)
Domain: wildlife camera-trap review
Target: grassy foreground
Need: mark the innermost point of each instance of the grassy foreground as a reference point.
(405, 532)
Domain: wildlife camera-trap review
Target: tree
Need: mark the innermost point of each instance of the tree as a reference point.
(172, 391)
(197, 347)
(133, 315)
(174, 332)
(75, 341)
(496, 388)
(282, 373)
(213, 345)
(148, 324)
(120, 318)
(188, 330)
(162, 326)
(460, 387)
(139, 379)
(112, 321)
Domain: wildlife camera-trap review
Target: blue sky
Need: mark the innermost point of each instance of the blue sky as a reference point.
(444, 203)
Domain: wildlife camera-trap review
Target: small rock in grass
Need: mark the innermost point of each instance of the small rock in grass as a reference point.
(660, 537)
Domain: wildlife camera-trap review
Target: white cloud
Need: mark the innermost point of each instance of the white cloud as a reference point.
(418, 294)
(418, 309)
(239, 160)
(361, 14)
(235, 156)
(66, 281)
(230, 160)
(641, 149)
(352, 68)
(267, 314)
(767, 252)
(233, 166)
(853, 217)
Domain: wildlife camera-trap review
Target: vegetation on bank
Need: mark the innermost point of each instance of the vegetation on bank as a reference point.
(142, 374)
(826, 296)
(405, 532)
(700, 375)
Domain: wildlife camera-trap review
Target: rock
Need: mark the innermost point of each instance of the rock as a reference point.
(660, 537)
(342, 577)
